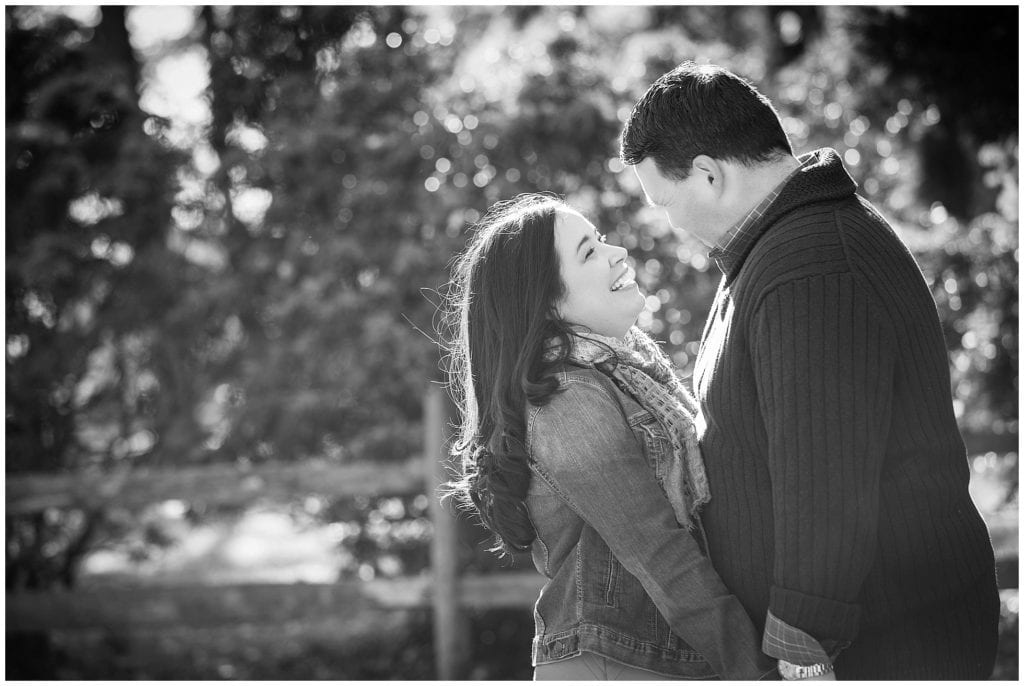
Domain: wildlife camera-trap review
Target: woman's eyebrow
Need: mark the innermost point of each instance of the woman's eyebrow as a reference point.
(580, 244)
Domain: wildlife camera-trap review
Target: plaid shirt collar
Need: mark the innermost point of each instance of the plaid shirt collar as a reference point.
(734, 244)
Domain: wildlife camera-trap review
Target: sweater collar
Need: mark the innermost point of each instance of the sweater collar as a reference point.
(821, 177)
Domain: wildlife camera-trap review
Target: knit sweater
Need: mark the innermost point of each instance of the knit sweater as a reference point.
(838, 475)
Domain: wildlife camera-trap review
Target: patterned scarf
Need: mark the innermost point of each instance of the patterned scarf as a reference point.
(642, 370)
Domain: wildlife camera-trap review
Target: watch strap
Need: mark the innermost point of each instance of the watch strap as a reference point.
(793, 672)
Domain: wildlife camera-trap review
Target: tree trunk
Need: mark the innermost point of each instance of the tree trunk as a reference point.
(110, 44)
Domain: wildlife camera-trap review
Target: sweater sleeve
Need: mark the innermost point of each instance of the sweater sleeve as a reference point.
(823, 360)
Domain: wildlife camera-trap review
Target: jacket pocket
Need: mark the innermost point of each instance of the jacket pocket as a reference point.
(655, 441)
(599, 574)
(669, 468)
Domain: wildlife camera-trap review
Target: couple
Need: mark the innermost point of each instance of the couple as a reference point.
(807, 511)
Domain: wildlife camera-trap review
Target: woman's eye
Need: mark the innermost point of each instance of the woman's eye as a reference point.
(589, 253)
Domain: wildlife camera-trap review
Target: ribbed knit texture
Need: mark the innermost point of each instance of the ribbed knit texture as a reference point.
(838, 475)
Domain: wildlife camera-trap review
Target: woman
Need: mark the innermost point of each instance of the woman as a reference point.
(577, 442)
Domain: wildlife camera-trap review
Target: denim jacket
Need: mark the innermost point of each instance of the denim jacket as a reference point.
(625, 580)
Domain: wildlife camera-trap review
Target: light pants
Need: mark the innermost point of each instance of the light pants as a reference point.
(587, 666)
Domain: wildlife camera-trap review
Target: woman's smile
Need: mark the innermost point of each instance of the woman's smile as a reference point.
(628, 278)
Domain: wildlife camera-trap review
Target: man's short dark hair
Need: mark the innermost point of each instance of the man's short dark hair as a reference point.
(702, 110)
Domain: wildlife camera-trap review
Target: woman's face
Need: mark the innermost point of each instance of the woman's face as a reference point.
(600, 288)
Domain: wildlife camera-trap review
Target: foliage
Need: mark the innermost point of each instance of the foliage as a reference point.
(311, 301)
(88, 272)
(88, 197)
(252, 291)
(391, 645)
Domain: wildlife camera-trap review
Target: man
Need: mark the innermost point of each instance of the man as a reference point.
(839, 513)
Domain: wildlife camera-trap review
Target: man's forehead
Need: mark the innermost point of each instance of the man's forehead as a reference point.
(650, 175)
(656, 187)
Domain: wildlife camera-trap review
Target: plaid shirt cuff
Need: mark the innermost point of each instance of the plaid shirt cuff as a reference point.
(785, 642)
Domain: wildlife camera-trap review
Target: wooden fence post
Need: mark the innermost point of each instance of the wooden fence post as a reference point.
(450, 631)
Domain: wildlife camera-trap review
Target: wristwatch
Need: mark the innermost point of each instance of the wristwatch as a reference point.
(792, 672)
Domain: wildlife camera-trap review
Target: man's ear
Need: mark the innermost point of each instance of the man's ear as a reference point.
(708, 172)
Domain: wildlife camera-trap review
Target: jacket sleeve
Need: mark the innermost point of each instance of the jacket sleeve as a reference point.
(823, 359)
(584, 448)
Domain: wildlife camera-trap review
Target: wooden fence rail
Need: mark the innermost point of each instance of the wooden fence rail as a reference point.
(237, 485)
(222, 484)
(200, 606)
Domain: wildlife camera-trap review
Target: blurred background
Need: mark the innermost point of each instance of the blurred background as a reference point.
(228, 230)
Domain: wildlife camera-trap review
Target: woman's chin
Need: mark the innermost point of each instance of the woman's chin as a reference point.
(641, 302)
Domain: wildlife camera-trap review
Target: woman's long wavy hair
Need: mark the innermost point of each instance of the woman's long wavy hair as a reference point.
(501, 312)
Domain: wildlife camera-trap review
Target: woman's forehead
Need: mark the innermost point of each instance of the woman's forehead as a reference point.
(572, 221)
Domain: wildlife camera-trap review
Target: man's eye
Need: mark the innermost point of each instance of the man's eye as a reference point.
(602, 237)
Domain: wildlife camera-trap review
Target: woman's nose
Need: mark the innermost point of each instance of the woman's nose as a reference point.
(617, 254)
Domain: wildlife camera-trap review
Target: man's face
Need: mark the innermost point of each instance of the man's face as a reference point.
(691, 205)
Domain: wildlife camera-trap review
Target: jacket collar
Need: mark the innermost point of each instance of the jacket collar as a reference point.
(822, 177)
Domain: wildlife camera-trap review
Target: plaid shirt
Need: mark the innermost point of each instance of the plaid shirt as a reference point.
(735, 241)
(781, 640)
(785, 642)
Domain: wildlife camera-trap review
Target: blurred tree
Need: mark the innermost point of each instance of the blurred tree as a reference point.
(88, 272)
(962, 61)
(320, 360)
(951, 72)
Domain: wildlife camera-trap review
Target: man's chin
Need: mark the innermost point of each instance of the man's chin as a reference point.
(707, 241)
(686, 234)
